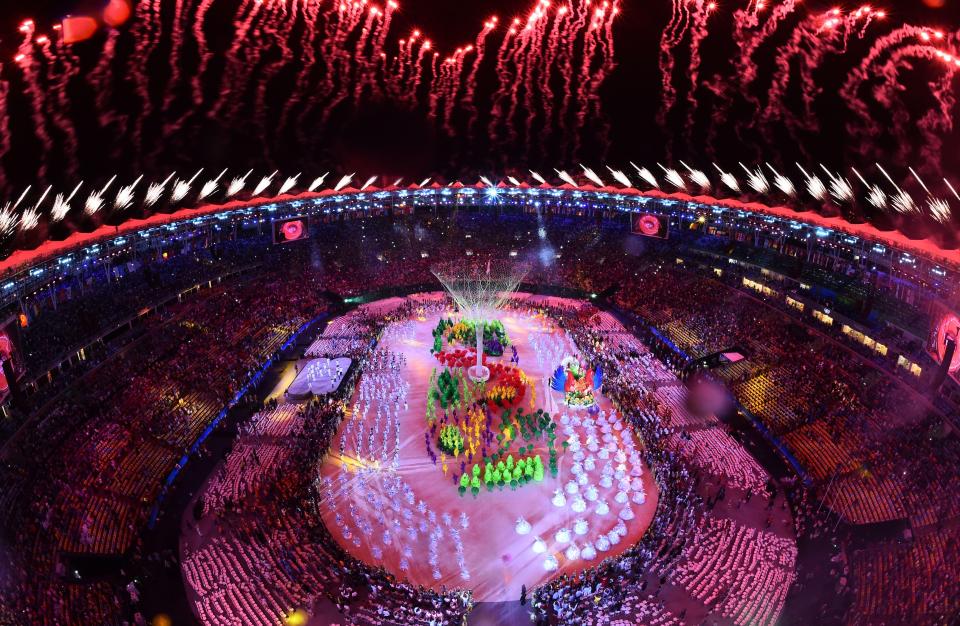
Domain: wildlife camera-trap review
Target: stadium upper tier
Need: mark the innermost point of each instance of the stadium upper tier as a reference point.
(921, 260)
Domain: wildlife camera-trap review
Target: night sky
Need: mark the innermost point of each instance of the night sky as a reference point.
(381, 138)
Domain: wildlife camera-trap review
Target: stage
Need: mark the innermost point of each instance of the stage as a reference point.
(388, 502)
(318, 377)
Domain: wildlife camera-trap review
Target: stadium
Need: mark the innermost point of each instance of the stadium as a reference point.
(541, 392)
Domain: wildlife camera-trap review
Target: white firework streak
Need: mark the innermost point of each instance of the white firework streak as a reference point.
(816, 188)
(317, 182)
(369, 182)
(537, 177)
(155, 190)
(620, 177)
(22, 196)
(781, 182)
(939, 209)
(43, 197)
(125, 195)
(903, 202)
(952, 190)
(674, 178)
(646, 175)
(840, 187)
(30, 218)
(841, 190)
(210, 186)
(567, 178)
(61, 205)
(263, 184)
(875, 196)
(592, 176)
(236, 185)
(181, 188)
(59, 209)
(920, 180)
(8, 220)
(483, 179)
(288, 184)
(513, 181)
(345, 180)
(426, 180)
(813, 184)
(95, 202)
(728, 179)
(756, 180)
(698, 177)
(397, 182)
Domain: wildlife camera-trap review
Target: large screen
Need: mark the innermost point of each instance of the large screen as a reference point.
(10, 353)
(946, 331)
(651, 225)
(290, 230)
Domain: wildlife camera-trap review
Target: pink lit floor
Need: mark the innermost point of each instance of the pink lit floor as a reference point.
(498, 559)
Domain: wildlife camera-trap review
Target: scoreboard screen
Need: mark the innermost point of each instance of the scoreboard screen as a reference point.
(651, 225)
(290, 230)
(946, 331)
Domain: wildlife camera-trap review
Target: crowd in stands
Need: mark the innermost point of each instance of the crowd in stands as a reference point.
(85, 474)
(268, 553)
(81, 476)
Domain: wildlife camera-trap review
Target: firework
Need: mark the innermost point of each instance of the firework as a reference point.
(939, 209)
(288, 184)
(8, 220)
(875, 196)
(697, 177)
(181, 188)
(592, 176)
(263, 184)
(646, 175)
(210, 186)
(61, 205)
(728, 179)
(125, 196)
(345, 180)
(756, 179)
(155, 190)
(236, 185)
(567, 178)
(537, 177)
(673, 177)
(317, 182)
(620, 177)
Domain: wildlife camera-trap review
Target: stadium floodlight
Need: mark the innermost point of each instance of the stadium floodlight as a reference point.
(479, 289)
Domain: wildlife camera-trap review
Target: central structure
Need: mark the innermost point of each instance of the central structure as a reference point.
(479, 289)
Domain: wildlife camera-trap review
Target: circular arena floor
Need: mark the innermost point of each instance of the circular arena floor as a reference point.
(381, 497)
(412, 499)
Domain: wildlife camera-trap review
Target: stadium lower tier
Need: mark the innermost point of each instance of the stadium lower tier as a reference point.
(407, 496)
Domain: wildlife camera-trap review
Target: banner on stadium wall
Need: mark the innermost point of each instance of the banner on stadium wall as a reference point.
(291, 229)
(651, 225)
